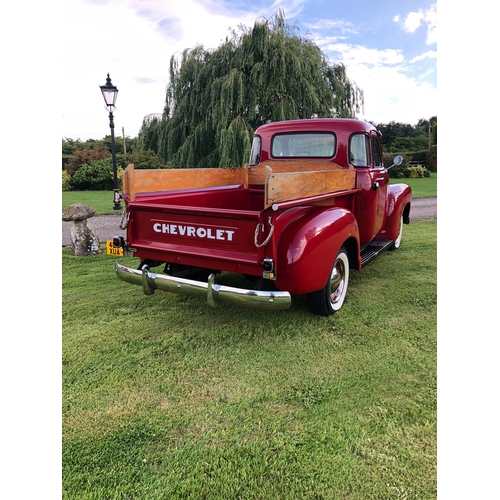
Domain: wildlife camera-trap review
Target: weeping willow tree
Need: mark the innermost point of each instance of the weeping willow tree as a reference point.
(150, 132)
(217, 98)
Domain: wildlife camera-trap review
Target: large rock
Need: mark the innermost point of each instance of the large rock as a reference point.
(83, 239)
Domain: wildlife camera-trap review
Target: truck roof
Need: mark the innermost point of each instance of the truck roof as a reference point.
(348, 125)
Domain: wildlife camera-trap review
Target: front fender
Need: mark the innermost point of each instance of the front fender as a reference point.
(398, 204)
(309, 245)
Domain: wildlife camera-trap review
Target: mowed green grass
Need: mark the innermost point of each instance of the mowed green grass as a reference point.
(166, 398)
(422, 187)
(102, 201)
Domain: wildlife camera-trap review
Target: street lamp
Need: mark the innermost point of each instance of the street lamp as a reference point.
(110, 93)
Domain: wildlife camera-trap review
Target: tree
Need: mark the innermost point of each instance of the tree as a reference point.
(149, 134)
(217, 98)
(406, 138)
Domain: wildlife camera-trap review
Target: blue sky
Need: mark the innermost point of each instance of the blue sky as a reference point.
(388, 47)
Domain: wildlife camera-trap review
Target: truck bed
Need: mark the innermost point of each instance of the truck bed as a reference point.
(218, 218)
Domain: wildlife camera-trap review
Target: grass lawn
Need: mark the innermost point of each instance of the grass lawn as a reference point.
(421, 188)
(165, 398)
(102, 201)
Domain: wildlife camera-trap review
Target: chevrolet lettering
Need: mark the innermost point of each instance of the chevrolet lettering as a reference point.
(313, 204)
(210, 233)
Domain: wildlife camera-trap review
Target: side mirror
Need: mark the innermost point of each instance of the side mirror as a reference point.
(397, 161)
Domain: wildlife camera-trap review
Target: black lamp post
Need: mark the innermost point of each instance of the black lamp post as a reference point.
(110, 93)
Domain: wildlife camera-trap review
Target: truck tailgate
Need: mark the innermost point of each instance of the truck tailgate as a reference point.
(206, 237)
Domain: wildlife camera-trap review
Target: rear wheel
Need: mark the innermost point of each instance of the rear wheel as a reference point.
(330, 299)
(148, 263)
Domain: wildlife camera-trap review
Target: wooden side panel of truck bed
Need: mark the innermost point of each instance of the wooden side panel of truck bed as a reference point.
(282, 180)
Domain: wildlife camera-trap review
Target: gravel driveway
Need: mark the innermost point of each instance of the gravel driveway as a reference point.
(107, 226)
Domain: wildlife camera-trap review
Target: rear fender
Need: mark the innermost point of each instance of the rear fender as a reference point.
(398, 204)
(309, 245)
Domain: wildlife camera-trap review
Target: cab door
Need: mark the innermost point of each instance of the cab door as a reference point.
(365, 155)
(380, 182)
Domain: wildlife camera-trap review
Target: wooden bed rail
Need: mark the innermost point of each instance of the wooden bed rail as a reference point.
(171, 179)
(283, 181)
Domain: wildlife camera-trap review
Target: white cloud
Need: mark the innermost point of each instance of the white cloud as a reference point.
(357, 55)
(390, 94)
(414, 20)
(337, 24)
(430, 54)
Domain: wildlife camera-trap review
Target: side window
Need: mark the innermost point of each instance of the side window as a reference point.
(377, 154)
(255, 153)
(359, 150)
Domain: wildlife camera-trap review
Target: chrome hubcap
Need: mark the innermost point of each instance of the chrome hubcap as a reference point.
(337, 281)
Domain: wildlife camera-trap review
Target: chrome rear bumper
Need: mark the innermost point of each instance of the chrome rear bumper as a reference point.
(215, 294)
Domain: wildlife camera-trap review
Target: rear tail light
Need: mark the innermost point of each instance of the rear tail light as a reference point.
(118, 241)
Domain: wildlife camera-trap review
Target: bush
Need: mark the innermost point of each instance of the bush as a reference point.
(399, 171)
(85, 157)
(95, 176)
(66, 181)
(416, 172)
(142, 159)
(119, 173)
(420, 156)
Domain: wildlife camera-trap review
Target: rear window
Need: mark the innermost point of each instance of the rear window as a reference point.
(311, 145)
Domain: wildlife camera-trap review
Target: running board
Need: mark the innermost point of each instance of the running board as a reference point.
(375, 248)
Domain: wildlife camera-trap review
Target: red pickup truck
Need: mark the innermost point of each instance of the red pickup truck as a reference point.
(313, 202)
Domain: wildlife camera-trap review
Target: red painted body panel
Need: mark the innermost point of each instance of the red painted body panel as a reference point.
(398, 204)
(308, 247)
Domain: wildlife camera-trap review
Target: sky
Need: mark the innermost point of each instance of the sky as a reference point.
(389, 49)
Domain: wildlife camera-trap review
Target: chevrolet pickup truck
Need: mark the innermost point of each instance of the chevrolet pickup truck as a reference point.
(313, 203)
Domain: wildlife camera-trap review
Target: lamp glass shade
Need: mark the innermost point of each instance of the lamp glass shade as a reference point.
(109, 92)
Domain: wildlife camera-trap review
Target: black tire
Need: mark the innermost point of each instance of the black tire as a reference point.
(149, 263)
(330, 298)
(397, 242)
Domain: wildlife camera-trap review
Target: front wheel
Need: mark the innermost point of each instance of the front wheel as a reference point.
(330, 299)
(397, 242)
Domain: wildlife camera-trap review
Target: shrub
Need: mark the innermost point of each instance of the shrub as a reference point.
(85, 157)
(119, 173)
(95, 176)
(416, 172)
(420, 156)
(142, 159)
(66, 181)
(399, 171)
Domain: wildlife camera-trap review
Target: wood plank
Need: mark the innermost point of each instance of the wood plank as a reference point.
(152, 180)
(295, 185)
(128, 186)
(258, 174)
(283, 180)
